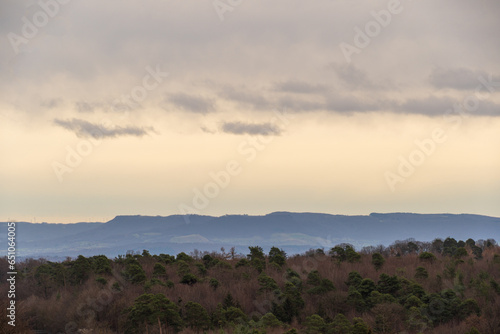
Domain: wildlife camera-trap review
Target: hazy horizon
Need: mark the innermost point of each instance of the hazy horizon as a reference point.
(36, 221)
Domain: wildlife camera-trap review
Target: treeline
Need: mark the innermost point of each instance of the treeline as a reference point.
(443, 286)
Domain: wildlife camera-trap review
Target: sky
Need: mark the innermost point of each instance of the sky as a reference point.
(162, 107)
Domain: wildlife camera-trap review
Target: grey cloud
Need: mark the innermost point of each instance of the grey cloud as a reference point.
(240, 128)
(350, 104)
(192, 103)
(430, 106)
(300, 105)
(456, 78)
(246, 97)
(88, 58)
(51, 103)
(352, 76)
(207, 130)
(487, 108)
(86, 129)
(299, 87)
(330, 102)
(438, 106)
(85, 107)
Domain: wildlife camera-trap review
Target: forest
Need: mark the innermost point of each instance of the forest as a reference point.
(443, 286)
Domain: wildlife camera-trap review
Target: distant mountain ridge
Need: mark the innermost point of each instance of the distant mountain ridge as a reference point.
(294, 232)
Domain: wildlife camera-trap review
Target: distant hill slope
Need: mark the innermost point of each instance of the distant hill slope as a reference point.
(294, 232)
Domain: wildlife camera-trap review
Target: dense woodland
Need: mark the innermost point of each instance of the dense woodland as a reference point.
(444, 286)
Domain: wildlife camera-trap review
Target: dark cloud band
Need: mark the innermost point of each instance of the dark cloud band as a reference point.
(86, 129)
(240, 128)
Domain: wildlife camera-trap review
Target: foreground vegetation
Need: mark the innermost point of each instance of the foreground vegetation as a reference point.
(444, 286)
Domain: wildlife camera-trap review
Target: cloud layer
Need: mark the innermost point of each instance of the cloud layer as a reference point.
(256, 59)
(86, 129)
(192, 103)
(240, 128)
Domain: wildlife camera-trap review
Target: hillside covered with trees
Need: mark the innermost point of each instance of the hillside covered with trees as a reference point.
(444, 286)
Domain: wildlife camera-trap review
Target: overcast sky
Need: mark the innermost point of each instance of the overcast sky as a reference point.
(161, 107)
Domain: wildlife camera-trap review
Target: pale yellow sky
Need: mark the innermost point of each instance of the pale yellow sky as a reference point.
(333, 164)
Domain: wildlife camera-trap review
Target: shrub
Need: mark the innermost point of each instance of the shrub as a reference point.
(461, 252)
(354, 279)
(201, 269)
(340, 325)
(388, 284)
(270, 320)
(324, 286)
(214, 283)
(315, 324)
(101, 264)
(209, 261)
(189, 279)
(184, 257)
(352, 255)
(116, 286)
(313, 278)
(80, 270)
(360, 327)
(468, 307)
(473, 330)
(229, 301)
(266, 283)
(291, 331)
(421, 272)
(101, 280)
(135, 273)
(159, 270)
(277, 256)
(196, 316)
(242, 263)
(232, 314)
(378, 261)
(152, 309)
(426, 256)
(366, 287)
